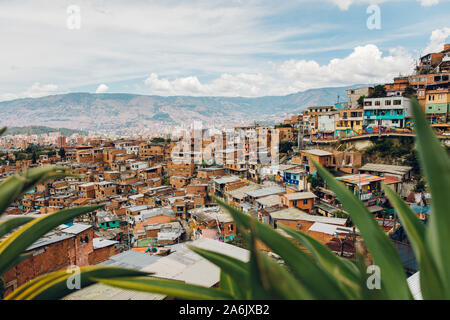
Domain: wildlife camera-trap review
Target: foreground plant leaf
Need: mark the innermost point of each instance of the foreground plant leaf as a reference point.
(171, 288)
(233, 287)
(435, 165)
(320, 284)
(269, 280)
(386, 257)
(235, 268)
(432, 287)
(26, 235)
(54, 285)
(15, 186)
(8, 225)
(337, 267)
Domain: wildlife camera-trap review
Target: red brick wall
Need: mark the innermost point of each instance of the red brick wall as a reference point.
(99, 255)
(53, 257)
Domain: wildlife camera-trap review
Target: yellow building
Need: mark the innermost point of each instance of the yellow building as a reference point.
(350, 122)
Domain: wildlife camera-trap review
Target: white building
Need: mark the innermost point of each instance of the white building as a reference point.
(387, 112)
(327, 122)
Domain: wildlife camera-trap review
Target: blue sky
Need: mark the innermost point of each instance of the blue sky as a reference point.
(202, 48)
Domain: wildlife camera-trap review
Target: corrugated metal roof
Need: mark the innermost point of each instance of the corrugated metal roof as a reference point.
(300, 195)
(77, 228)
(329, 228)
(318, 152)
(183, 264)
(240, 193)
(131, 259)
(49, 239)
(265, 192)
(102, 243)
(269, 201)
(387, 168)
(296, 214)
(227, 179)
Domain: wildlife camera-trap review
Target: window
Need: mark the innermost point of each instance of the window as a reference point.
(387, 102)
(397, 102)
(305, 201)
(377, 103)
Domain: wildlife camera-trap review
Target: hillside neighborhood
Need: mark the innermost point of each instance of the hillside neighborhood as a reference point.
(158, 194)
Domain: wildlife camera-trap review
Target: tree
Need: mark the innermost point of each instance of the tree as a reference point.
(409, 92)
(34, 157)
(316, 181)
(62, 153)
(411, 160)
(420, 186)
(340, 214)
(165, 181)
(361, 101)
(286, 146)
(157, 140)
(378, 92)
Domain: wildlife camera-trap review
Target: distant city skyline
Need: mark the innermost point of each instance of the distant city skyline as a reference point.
(211, 48)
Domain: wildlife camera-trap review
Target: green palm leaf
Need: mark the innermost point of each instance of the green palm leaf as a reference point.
(25, 236)
(171, 288)
(435, 165)
(8, 225)
(346, 274)
(319, 283)
(393, 276)
(432, 287)
(55, 285)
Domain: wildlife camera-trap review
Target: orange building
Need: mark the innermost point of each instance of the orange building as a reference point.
(286, 133)
(181, 169)
(300, 200)
(321, 156)
(87, 190)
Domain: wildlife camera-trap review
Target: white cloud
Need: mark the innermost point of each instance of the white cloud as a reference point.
(183, 43)
(366, 64)
(35, 91)
(8, 96)
(437, 40)
(345, 4)
(427, 3)
(242, 84)
(102, 88)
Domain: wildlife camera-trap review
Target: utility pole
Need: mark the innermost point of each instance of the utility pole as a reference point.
(354, 242)
(359, 185)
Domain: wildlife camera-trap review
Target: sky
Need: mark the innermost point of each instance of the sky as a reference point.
(244, 48)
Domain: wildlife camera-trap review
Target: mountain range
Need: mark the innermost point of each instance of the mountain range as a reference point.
(119, 111)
